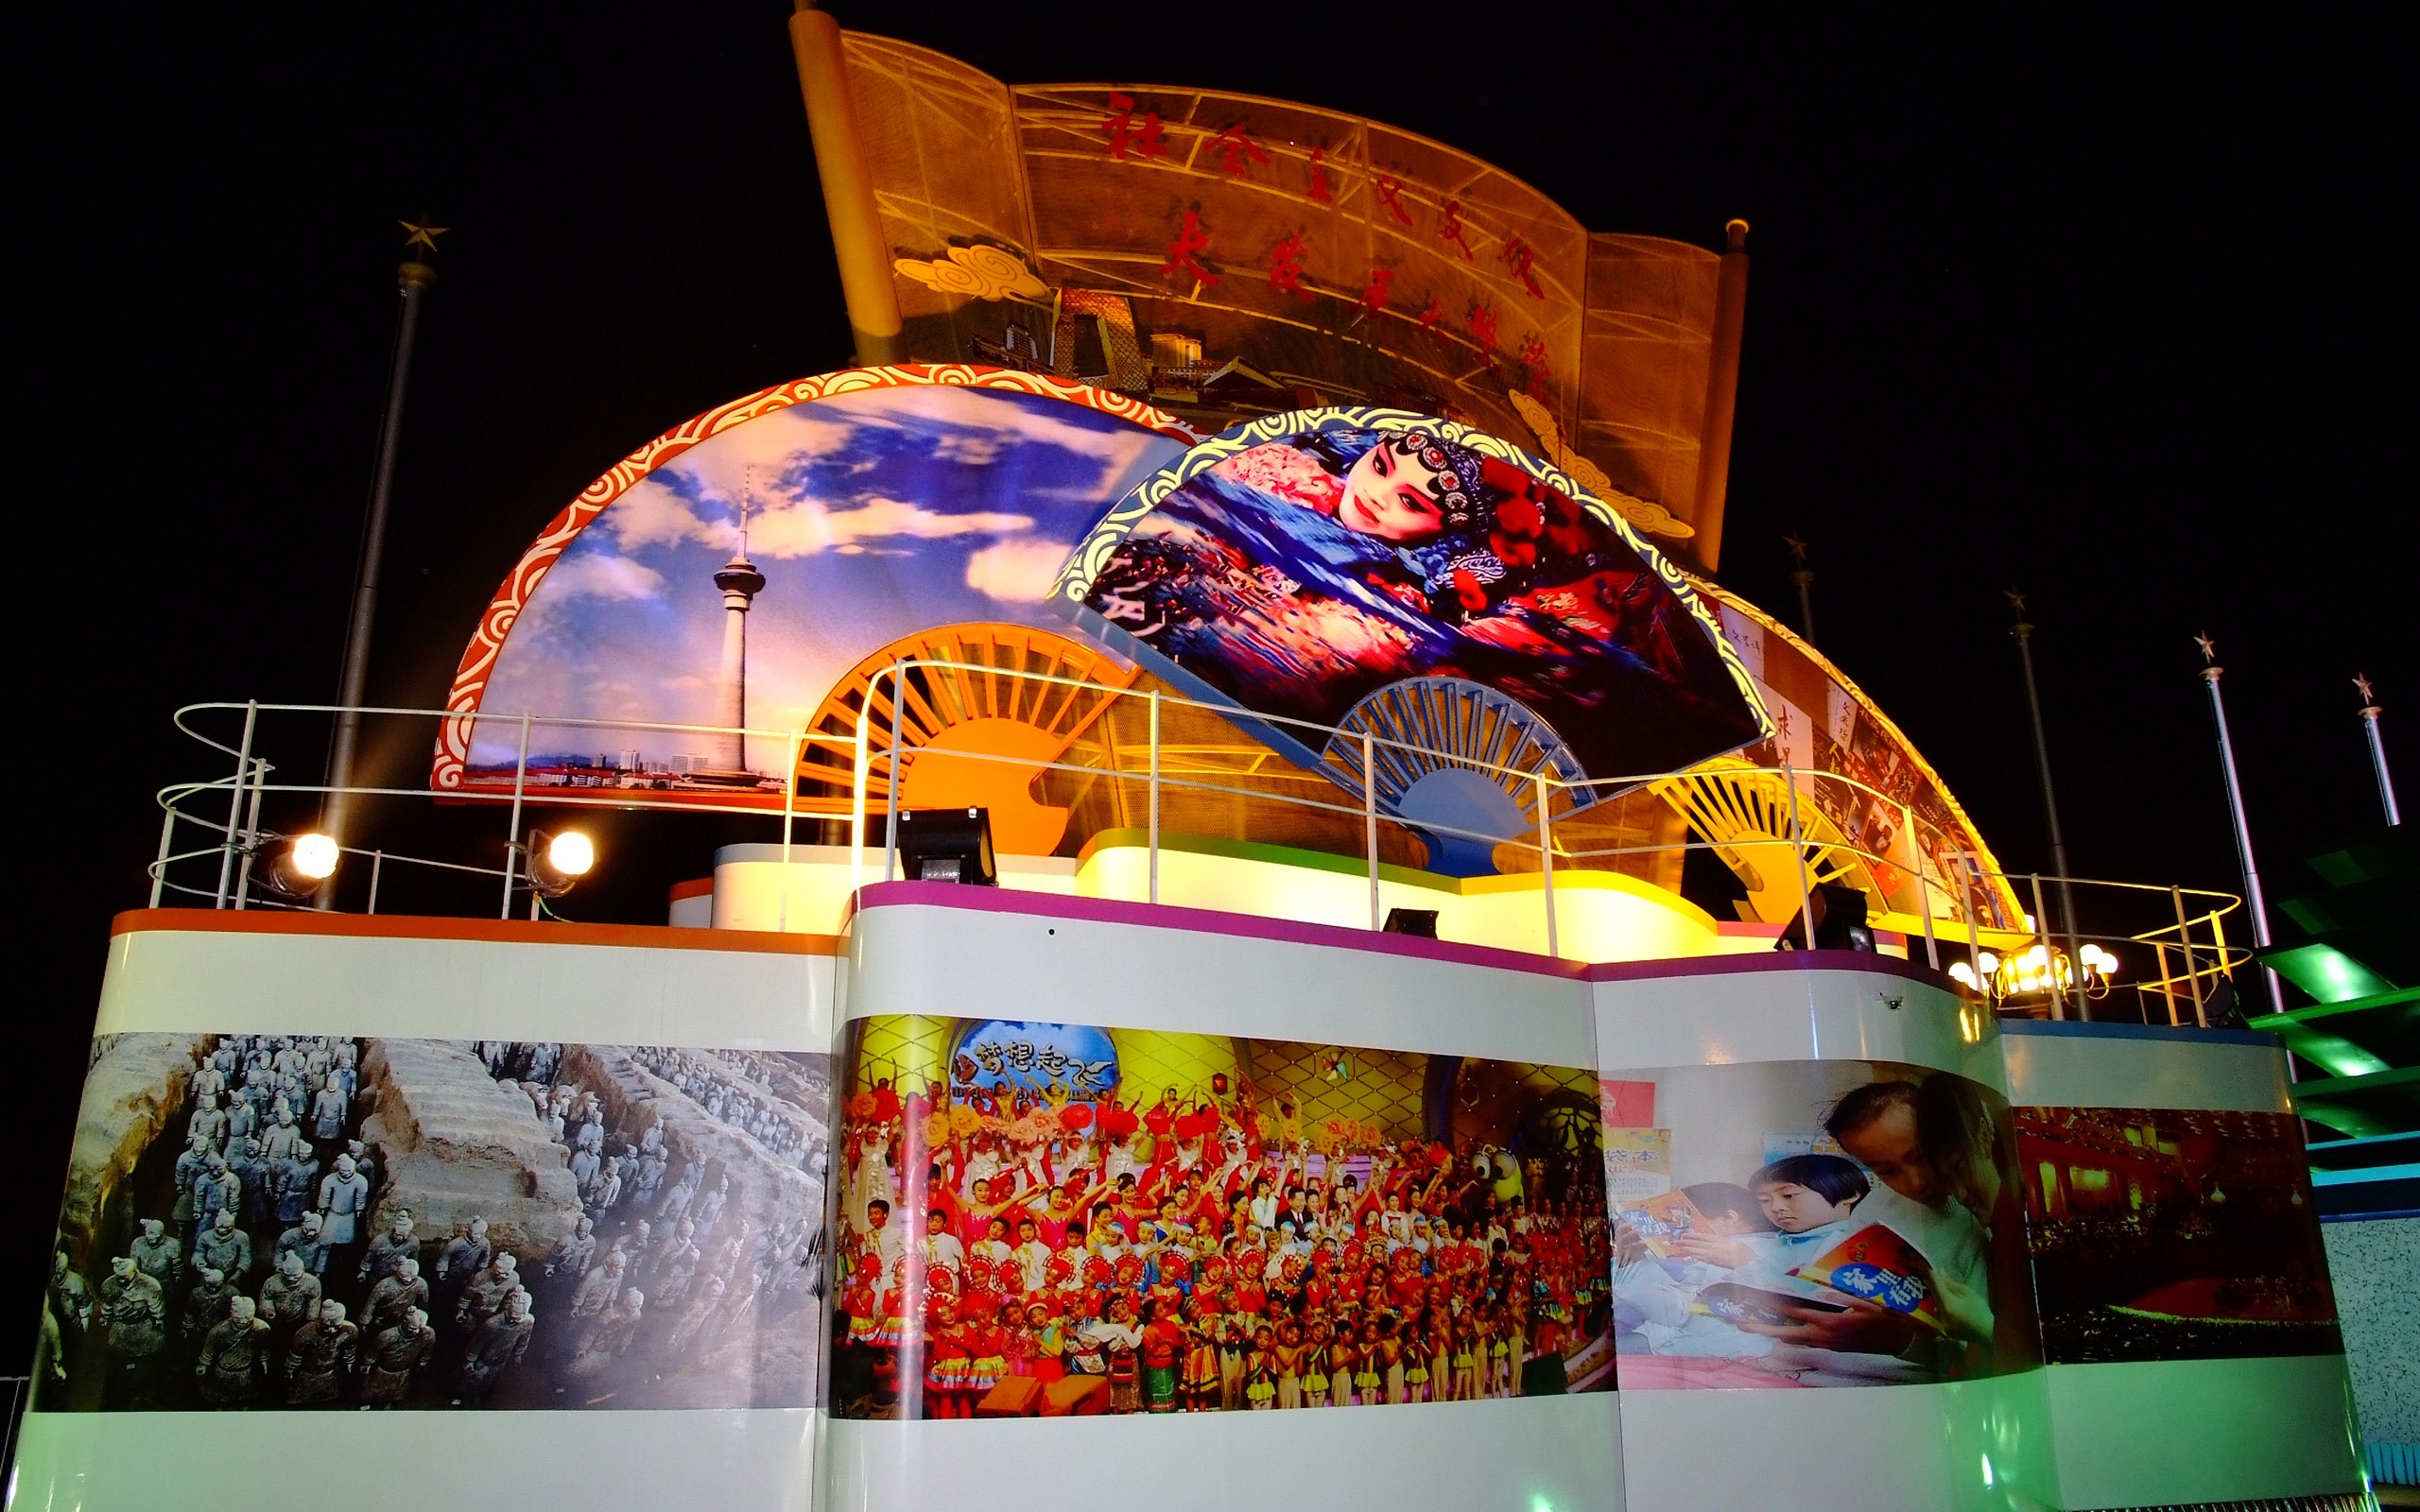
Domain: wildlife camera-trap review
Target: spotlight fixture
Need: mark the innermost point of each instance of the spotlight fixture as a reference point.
(294, 867)
(947, 845)
(558, 860)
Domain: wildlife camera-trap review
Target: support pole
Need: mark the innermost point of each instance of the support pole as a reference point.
(1798, 854)
(252, 836)
(1545, 864)
(2253, 902)
(2185, 943)
(2370, 712)
(377, 865)
(2049, 956)
(1154, 858)
(859, 244)
(1803, 578)
(412, 278)
(890, 815)
(862, 766)
(235, 802)
(160, 868)
(512, 830)
(2023, 631)
(789, 817)
(1370, 819)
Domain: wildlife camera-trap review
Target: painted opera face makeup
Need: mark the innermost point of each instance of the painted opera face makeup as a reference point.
(1388, 493)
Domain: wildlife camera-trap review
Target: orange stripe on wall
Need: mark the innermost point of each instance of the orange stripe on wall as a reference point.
(504, 931)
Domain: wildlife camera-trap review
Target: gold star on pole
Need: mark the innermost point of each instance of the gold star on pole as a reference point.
(2362, 680)
(1797, 548)
(422, 233)
(2016, 601)
(2210, 647)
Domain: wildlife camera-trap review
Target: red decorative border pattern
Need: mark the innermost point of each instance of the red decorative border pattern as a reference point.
(496, 622)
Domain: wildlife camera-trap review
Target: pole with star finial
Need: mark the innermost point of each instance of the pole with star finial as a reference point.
(2023, 631)
(2254, 904)
(413, 276)
(1803, 578)
(2370, 712)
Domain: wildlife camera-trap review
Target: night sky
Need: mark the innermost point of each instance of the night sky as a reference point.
(2117, 318)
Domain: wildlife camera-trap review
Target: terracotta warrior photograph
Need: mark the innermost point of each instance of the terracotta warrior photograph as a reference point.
(289, 1221)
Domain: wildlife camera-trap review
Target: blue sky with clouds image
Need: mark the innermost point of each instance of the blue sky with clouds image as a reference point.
(873, 515)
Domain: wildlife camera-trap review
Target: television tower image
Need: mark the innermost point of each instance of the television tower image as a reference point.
(740, 583)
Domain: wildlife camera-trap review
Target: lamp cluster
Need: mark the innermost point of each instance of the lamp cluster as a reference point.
(2036, 970)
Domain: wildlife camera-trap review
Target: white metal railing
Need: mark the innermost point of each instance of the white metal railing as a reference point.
(1968, 909)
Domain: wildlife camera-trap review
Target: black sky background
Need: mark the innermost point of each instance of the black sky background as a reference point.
(2118, 317)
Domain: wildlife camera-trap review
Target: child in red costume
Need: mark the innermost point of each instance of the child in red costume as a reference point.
(947, 1361)
(987, 1346)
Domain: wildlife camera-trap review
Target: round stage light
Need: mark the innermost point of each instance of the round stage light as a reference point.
(571, 854)
(293, 866)
(314, 856)
(557, 861)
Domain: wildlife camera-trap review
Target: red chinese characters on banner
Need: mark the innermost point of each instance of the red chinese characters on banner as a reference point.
(1482, 326)
(1237, 151)
(1450, 229)
(1322, 189)
(1190, 239)
(1533, 358)
(1433, 316)
(1286, 267)
(1144, 140)
(1374, 297)
(1521, 257)
(1390, 189)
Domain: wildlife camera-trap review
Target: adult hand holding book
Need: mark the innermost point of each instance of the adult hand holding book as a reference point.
(1853, 1325)
(1713, 1248)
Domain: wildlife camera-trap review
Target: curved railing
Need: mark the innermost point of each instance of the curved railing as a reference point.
(1800, 827)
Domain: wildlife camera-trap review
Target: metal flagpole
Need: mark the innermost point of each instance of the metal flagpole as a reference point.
(2370, 712)
(2254, 904)
(2023, 630)
(413, 277)
(1803, 578)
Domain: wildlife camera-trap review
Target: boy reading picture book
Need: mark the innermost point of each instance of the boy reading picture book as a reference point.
(1816, 1271)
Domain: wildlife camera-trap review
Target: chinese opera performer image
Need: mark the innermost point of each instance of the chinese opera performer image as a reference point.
(1300, 574)
(284, 1222)
(1053, 1219)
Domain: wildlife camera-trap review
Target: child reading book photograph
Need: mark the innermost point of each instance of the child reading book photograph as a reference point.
(1881, 1249)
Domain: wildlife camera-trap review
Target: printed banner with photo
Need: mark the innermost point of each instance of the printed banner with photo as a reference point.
(1830, 1223)
(2173, 1234)
(1826, 727)
(739, 569)
(288, 1222)
(1047, 1219)
(1296, 565)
